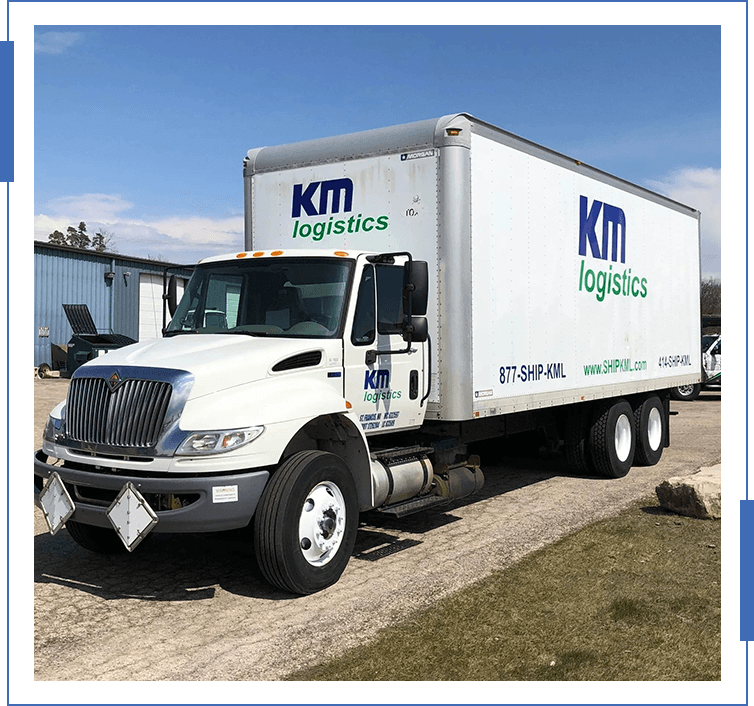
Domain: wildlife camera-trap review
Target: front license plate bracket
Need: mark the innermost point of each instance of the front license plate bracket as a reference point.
(131, 516)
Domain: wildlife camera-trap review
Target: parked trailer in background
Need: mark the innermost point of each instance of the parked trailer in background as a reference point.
(402, 293)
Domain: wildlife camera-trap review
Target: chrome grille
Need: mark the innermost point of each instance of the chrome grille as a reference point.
(130, 416)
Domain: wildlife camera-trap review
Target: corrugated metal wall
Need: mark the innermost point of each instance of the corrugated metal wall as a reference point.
(67, 276)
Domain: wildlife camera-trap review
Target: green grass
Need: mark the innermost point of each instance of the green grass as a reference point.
(636, 597)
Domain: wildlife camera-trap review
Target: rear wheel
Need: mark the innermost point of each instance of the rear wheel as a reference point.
(649, 428)
(306, 521)
(612, 442)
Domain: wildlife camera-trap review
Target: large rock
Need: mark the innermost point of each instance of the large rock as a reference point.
(697, 495)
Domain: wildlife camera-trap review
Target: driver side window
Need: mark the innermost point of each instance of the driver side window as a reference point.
(386, 306)
(362, 333)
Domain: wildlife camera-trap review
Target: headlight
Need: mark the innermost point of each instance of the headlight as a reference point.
(52, 429)
(213, 442)
(54, 426)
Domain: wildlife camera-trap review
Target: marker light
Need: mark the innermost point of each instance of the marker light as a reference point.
(242, 254)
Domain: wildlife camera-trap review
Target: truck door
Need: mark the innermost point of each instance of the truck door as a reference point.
(385, 395)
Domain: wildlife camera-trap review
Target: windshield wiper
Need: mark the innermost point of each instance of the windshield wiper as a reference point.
(247, 333)
(170, 334)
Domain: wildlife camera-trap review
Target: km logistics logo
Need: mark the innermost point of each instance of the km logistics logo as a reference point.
(379, 381)
(620, 282)
(331, 194)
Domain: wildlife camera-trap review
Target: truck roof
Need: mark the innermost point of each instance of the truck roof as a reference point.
(287, 252)
(448, 130)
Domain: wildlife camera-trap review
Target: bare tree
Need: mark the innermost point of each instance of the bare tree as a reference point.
(103, 241)
(711, 296)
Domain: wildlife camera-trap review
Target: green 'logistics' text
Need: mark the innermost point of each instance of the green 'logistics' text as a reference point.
(615, 283)
(355, 224)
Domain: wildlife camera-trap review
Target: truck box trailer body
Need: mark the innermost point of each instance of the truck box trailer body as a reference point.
(552, 281)
(401, 293)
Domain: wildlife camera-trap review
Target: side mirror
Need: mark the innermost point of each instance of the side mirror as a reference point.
(172, 294)
(416, 286)
(416, 330)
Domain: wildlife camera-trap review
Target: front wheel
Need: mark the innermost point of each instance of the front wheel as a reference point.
(96, 539)
(306, 521)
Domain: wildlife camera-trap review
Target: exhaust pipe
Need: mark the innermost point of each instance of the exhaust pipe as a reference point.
(456, 482)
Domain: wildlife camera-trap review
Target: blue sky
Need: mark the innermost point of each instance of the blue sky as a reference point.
(142, 130)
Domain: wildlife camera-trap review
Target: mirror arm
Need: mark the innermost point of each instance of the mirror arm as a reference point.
(372, 355)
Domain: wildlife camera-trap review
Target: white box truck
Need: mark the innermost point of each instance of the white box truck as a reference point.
(402, 292)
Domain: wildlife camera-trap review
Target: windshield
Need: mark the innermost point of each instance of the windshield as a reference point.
(296, 297)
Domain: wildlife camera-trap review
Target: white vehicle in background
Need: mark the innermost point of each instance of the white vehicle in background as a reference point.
(711, 370)
(711, 355)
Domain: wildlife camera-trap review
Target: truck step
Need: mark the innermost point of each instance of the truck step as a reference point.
(388, 455)
(411, 506)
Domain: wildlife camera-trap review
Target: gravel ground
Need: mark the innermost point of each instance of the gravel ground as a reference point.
(195, 607)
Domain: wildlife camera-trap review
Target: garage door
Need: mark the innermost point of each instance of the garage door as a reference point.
(150, 305)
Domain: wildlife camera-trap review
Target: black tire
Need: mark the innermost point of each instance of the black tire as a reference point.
(308, 479)
(43, 371)
(96, 539)
(612, 442)
(649, 430)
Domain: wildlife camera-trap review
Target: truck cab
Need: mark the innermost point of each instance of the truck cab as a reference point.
(334, 309)
(255, 405)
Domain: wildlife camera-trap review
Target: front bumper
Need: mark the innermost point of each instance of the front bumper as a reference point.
(217, 502)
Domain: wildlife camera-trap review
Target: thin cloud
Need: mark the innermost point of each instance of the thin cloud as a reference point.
(175, 238)
(56, 42)
(90, 206)
(699, 188)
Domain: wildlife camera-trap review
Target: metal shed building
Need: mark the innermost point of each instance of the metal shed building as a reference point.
(124, 294)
